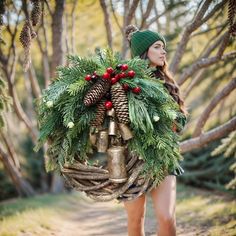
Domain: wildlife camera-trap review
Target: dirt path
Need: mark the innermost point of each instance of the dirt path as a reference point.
(198, 213)
(88, 218)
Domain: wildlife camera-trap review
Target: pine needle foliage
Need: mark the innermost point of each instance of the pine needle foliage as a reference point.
(228, 149)
(64, 120)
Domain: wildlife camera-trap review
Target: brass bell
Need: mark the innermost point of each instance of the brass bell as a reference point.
(102, 141)
(111, 112)
(112, 127)
(125, 131)
(93, 138)
(116, 164)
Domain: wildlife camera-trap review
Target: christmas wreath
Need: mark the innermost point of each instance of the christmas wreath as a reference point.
(108, 125)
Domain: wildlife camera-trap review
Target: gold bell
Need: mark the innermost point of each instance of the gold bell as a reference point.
(112, 127)
(93, 138)
(116, 164)
(111, 112)
(102, 141)
(125, 131)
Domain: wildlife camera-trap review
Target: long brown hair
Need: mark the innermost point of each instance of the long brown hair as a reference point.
(163, 73)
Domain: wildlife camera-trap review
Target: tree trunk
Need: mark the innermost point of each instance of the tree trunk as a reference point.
(57, 184)
(22, 186)
(57, 28)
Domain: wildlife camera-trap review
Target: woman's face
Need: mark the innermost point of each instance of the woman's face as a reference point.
(157, 54)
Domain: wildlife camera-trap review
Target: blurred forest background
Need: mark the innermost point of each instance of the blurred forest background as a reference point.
(201, 54)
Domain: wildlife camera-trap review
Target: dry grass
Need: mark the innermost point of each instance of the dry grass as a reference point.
(199, 212)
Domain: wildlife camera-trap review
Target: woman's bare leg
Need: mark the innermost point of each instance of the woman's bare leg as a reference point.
(164, 199)
(136, 213)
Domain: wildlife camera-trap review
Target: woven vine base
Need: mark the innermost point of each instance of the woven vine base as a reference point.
(95, 182)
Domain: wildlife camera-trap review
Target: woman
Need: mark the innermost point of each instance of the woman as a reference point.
(151, 46)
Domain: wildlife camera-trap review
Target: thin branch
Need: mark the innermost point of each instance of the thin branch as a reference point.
(194, 81)
(131, 12)
(154, 19)
(34, 82)
(10, 150)
(208, 49)
(214, 134)
(49, 9)
(201, 63)
(214, 102)
(146, 14)
(107, 22)
(115, 16)
(197, 22)
(222, 26)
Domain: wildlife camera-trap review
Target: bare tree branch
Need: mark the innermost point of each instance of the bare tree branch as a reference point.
(115, 16)
(22, 186)
(49, 9)
(194, 81)
(214, 134)
(214, 102)
(146, 14)
(197, 21)
(10, 150)
(131, 12)
(221, 26)
(203, 62)
(209, 48)
(128, 16)
(107, 22)
(34, 82)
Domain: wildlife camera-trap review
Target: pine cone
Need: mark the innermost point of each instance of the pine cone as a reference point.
(97, 91)
(36, 12)
(120, 103)
(100, 114)
(231, 15)
(25, 39)
(25, 35)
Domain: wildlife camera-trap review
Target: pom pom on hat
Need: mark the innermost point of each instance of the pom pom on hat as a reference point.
(140, 41)
(129, 31)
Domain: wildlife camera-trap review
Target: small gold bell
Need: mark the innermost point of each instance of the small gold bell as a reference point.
(111, 112)
(116, 164)
(125, 131)
(93, 138)
(112, 127)
(102, 141)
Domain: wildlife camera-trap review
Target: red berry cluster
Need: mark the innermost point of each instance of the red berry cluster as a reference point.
(92, 77)
(111, 74)
(114, 75)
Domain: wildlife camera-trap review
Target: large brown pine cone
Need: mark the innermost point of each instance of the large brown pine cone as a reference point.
(120, 103)
(100, 114)
(97, 91)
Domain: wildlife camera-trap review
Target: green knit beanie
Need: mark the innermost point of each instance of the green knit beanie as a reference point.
(140, 41)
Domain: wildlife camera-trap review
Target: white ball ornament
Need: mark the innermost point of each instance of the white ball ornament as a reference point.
(156, 118)
(49, 104)
(70, 125)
